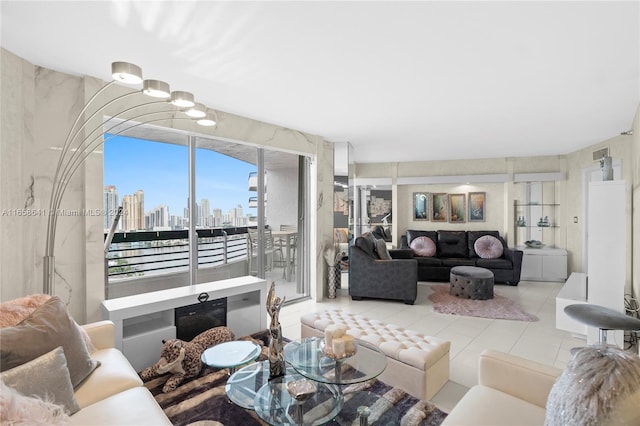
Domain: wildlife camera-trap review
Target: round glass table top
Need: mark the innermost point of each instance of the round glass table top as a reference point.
(242, 385)
(308, 359)
(230, 354)
(275, 405)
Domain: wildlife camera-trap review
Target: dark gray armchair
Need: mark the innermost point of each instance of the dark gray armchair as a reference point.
(371, 276)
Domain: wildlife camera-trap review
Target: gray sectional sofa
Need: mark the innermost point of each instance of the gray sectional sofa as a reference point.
(373, 272)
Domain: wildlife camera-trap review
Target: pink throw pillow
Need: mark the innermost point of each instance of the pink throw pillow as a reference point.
(423, 246)
(488, 247)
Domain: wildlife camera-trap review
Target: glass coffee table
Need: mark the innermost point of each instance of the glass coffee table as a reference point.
(231, 354)
(250, 388)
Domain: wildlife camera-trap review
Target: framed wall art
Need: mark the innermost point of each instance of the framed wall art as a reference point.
(457, 208)
(476, 206)
(439, 207)
(420, 206)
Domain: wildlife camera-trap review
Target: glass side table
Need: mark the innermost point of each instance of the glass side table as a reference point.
(308, 359)
(231, 354)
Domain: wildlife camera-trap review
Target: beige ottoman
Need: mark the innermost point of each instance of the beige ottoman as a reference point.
(416, 363)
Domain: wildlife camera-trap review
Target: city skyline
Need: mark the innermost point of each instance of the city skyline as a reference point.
(161, 171)
(136, 217)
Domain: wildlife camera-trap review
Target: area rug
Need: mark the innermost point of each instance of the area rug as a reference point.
(499, 307)
(202, 401)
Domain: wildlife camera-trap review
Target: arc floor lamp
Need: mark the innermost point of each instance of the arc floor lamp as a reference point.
(156, 103)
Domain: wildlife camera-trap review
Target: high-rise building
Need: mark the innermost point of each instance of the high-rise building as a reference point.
(127, 222)
(133, 211)
(110, 205)
(158, 217)
(139, 205)
(217, 217)
(203, 213)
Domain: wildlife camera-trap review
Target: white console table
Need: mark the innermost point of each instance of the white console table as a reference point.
(142, 321)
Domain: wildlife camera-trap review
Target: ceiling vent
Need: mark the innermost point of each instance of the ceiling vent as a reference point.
(598, 154)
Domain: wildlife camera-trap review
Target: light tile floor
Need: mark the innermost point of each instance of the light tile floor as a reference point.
(539, 341)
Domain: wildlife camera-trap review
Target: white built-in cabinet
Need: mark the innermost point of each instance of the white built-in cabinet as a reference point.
(142, 321)
(606, 250)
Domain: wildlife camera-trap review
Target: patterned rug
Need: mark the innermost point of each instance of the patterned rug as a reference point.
(499, 307)
(202, 401)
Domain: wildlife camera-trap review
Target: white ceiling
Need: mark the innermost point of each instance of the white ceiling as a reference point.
(401, 81)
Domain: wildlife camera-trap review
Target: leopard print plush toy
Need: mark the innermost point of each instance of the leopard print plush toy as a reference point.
(182, 359)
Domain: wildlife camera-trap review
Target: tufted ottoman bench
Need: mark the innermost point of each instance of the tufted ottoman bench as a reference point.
(471, 282)
(416, 363)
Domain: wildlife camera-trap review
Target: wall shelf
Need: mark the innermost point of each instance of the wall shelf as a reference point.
(550, 262)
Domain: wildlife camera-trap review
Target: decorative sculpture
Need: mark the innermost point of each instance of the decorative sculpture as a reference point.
(276, 353)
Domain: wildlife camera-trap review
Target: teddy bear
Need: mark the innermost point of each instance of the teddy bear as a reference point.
(182, 359)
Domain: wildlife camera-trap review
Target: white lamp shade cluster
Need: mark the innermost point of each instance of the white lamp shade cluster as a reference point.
(127, 73)
(78, 144)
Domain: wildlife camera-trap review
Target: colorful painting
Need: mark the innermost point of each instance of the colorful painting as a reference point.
(420, 206)
(439, 207)
(457, 208)
(476, 206)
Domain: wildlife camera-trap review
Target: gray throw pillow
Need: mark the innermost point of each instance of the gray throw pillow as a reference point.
(381, 249)
(45, 377)
(46, 328)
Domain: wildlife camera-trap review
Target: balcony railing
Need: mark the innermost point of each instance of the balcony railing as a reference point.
(145, 253)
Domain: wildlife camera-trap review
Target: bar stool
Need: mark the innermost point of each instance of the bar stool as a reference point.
(604, 319)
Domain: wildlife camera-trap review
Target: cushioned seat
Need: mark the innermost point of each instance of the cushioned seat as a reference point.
(494, 264)
(452, 262)
(429, 261)
(114, 375)
(483, 405)
(416, 363)
(135, 406)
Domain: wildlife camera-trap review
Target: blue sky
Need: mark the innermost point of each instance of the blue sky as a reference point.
(161, 171)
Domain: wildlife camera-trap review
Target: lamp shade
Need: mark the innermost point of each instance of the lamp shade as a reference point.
(127, 73)
(182, 99)
(208, 120)
(156, 88)
(197, 111)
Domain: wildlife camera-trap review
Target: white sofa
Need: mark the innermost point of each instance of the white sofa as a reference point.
(113, 394)
(511, 391)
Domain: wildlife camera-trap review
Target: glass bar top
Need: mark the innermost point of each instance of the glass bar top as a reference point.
(308, 359)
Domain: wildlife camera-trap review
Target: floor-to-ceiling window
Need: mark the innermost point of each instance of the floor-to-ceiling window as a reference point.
(208, 186)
